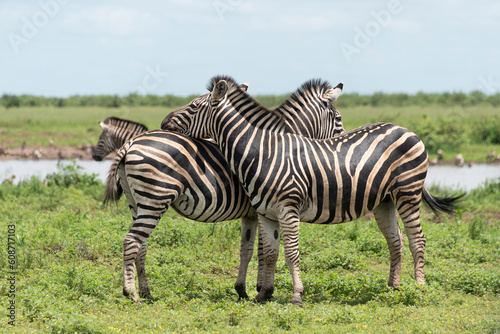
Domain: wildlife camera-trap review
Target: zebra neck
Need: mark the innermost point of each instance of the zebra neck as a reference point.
(240, 124)
(241, 113)
(303, 119)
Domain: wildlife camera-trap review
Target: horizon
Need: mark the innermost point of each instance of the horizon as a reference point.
(255, 95)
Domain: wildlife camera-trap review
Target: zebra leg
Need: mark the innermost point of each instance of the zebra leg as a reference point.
(262, 263)
(141, 272)
(141, 229)
(387, 221)
(248, 231)
(410, 215)
(269, 230)
(131, 246)
(289, 223)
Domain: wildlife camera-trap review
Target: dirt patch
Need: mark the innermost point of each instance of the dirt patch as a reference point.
(82, 152)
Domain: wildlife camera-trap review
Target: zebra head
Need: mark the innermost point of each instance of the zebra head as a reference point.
(191, 119)
(309, 110)
(115, 132)
(104, 145)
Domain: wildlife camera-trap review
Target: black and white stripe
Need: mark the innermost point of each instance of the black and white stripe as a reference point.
(159, 169)
(289, 178)
(115, 132)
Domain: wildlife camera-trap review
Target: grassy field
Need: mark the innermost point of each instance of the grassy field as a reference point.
(453, 129)
(68, 252)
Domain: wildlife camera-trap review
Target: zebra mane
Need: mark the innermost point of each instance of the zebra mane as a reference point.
(250, 99)
(211, 84)
(313, 87)
(119, 123)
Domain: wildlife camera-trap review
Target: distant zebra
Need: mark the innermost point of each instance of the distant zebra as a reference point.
(115, 132)
(289, 178)
(158, 169)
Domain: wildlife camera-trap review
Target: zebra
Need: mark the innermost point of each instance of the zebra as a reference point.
(379, 167)
(159, 169)
(115, 132)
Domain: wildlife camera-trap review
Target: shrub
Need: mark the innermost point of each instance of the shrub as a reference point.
(486, 131)
(440, 133)
(71, 175)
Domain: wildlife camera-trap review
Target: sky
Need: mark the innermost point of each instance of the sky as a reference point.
(70, 47)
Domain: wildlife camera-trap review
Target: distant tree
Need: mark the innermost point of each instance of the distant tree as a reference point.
(10, 101)
(475, 97)
(113, 101)
(378, 99)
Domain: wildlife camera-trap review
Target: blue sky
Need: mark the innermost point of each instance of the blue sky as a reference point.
(68, 47)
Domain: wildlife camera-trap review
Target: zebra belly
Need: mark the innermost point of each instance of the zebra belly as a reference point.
(199, 209)
(310, 214)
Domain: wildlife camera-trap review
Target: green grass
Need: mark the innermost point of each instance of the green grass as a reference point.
(69, 255)
(69, 126)
(451, 128)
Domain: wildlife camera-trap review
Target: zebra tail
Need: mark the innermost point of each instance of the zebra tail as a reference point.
(441, 204)
(114, 190)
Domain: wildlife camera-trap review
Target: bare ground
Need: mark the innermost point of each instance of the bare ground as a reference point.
(82, 152)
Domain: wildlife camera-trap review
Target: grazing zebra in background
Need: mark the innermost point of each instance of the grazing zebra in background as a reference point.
(289, 178)
(115, 132)
(158, 169)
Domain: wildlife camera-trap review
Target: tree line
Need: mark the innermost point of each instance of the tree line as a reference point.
(348, 100)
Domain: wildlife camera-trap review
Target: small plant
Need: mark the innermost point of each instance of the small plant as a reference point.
(476, 229)
(71, 175)
(410, 294)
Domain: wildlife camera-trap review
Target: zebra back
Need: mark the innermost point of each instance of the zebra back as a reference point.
(308, 112)
(115, 132)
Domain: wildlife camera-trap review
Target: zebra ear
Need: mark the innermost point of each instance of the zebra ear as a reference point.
(334, 93)
(244, 87)
(219, 91)
(102, 125)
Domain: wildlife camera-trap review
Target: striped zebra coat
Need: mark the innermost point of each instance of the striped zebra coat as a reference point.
(115, 132)
(159, 169)
(290, 178)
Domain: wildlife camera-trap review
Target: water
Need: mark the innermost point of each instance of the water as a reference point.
(24, 169)
(465, 178)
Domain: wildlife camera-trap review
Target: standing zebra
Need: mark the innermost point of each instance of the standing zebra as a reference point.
(158, 169)
(115, 132)
(289, 178)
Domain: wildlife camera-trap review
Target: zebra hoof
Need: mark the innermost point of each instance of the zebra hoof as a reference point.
(264, 295)
(297, 301)
(260, 299)
(243, 297)
(146, 295)
(131, 294)
(241, 290)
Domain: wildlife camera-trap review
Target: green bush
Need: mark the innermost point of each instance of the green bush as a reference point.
(486, 131)
(441, 133)
(71, 175)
